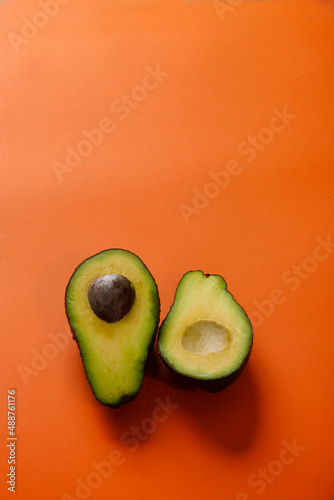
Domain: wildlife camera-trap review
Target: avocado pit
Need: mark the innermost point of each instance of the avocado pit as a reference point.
(111, 297)
(205, 336)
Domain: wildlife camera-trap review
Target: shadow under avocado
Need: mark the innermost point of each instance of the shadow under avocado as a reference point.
(229, 419)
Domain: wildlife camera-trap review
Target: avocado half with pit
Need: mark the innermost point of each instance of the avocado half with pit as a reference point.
(206, 335)
(113, 308)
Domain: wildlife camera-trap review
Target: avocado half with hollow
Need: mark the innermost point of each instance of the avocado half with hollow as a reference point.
(206, 335)
(113, 308)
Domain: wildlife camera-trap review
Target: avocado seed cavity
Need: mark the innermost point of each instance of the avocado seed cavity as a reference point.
(205, 336)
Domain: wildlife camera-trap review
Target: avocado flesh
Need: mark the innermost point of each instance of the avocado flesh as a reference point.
(113, 354)
(206, 334)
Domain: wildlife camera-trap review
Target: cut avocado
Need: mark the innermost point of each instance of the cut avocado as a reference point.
(206, 335)
(112, 305)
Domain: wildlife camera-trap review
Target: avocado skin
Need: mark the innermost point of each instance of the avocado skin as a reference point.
(213, 385)
(125, 398)
(209, 385)
(220, 384)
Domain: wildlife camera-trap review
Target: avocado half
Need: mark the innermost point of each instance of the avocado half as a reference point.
(113, 308)
(206, 335)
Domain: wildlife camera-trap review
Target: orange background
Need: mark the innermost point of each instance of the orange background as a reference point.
(226, 75)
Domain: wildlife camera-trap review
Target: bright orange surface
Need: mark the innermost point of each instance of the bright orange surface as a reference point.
(223, 80)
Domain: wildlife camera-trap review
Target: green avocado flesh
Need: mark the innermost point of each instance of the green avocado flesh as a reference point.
(114, 353)
(206, 335)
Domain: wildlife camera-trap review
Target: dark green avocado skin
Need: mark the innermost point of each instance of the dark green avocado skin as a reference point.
(213, 385)
(220, 384)
(125, 398)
